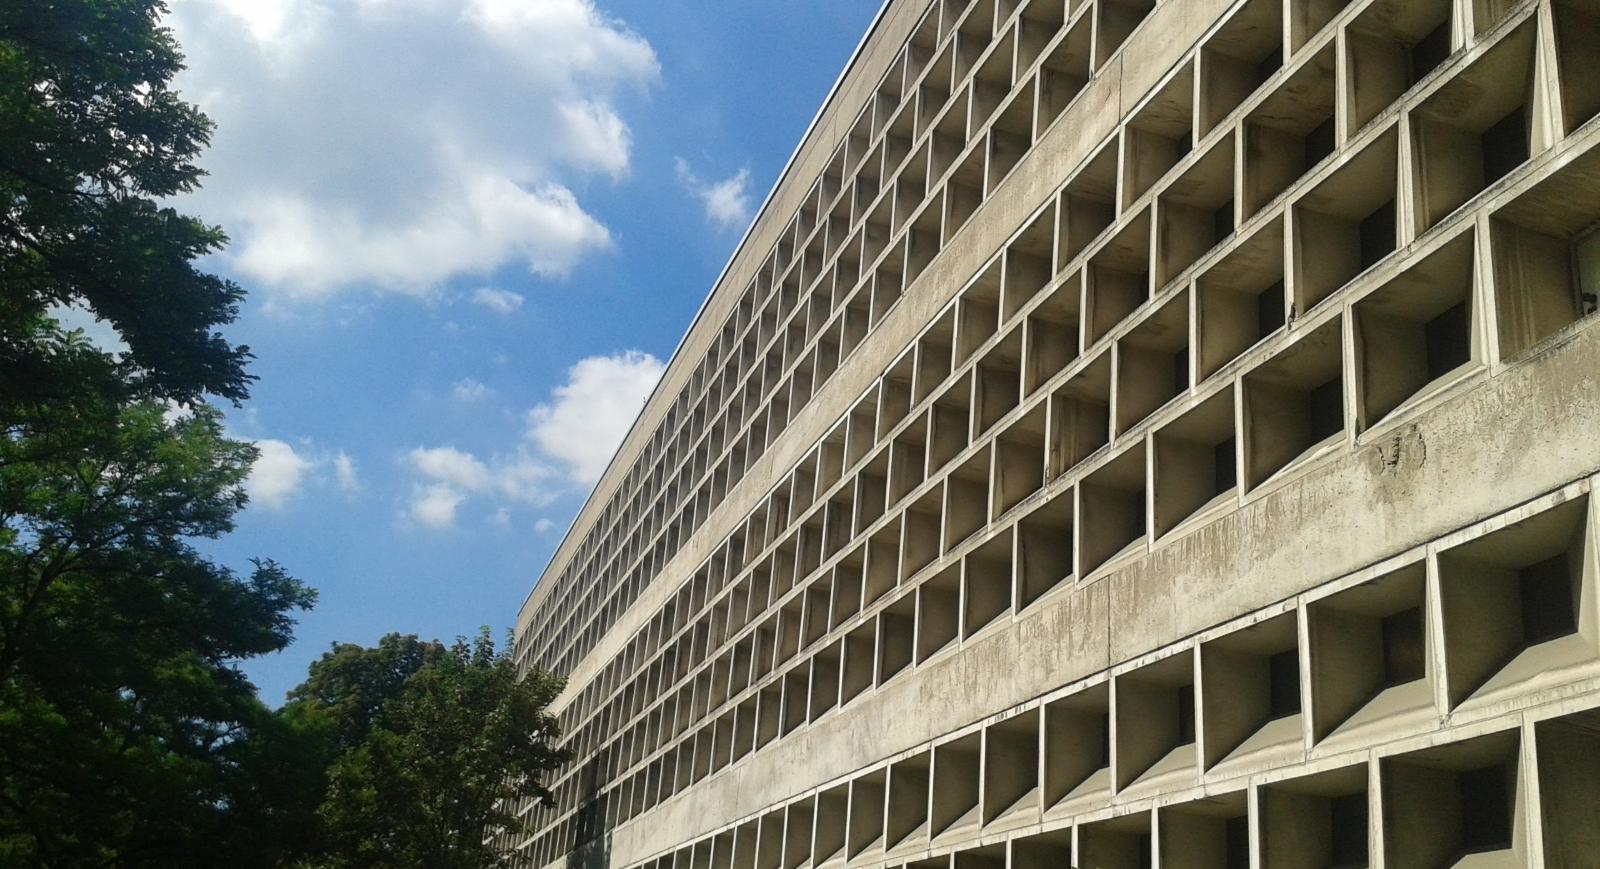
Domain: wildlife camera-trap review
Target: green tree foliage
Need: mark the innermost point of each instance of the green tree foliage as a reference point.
(438, 746)
(91, 138)
(123, 719)
(128, 736)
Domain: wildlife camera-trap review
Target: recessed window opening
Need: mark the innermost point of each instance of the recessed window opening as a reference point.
(1511, 600)
(1546, 256)
(1427, 53)
(1183, 708)
(1505, 145)
(1284, 684)
(1477, 127)
(1547, 605)
(1403, 647)
(1377, 234)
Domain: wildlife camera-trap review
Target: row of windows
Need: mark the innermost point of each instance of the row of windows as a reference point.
(1367, 667)
(1105, 392)
(1200, 207)
(887, 202)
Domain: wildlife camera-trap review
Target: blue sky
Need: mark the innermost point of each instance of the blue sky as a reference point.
(472, 232)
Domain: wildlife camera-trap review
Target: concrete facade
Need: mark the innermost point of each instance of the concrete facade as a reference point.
(1134, 433)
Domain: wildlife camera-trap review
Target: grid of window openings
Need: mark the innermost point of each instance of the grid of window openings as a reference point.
(918, 161)
(1253, 744)
(1323, 221)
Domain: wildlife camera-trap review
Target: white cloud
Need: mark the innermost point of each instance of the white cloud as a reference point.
(468, 390)
(283, 470)
(568, 442)
(502, 302)
(435, 506)
(450, 476)
(727, 202)
(543, 526)
(305, 248)
(277, 475)
(400, 144)
(593, 410)
(560, 38)
(269, 21)
(451, 467)
(598, 139)
(525, 478)
(344, 472)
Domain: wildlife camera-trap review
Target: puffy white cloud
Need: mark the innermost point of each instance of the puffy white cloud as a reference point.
(344, 472)
(567, 445)
(727, 202)
(435, 506)
(502, 302)
(593, 411)
(598, 139)
(559, 39)
(400, 144)
(448, 477)
(278, 474)
(543, 526)
(305, 248)
(283, 470)
(451, 467)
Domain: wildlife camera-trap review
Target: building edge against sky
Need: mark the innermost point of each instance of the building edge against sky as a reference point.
(1132, 434)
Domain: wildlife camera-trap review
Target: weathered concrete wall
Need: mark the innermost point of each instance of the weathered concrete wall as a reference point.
(1328, 513)
(1515, 437)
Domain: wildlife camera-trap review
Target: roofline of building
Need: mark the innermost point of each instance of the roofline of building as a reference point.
(567, 537)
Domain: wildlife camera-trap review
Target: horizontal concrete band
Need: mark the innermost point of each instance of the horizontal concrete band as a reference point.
(1415, 452)
(1524, 433)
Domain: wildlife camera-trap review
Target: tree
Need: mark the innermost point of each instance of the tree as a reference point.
(91, 138)
(347, 689)
(123, 716)
(439, 747)
(128, 736)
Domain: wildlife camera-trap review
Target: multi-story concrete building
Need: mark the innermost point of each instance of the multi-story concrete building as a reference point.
(1132, 434)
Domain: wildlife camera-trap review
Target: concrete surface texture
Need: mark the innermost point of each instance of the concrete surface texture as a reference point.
(1134, 433)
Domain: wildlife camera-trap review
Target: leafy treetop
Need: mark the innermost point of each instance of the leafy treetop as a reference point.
(92, 138)
(440, 748)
